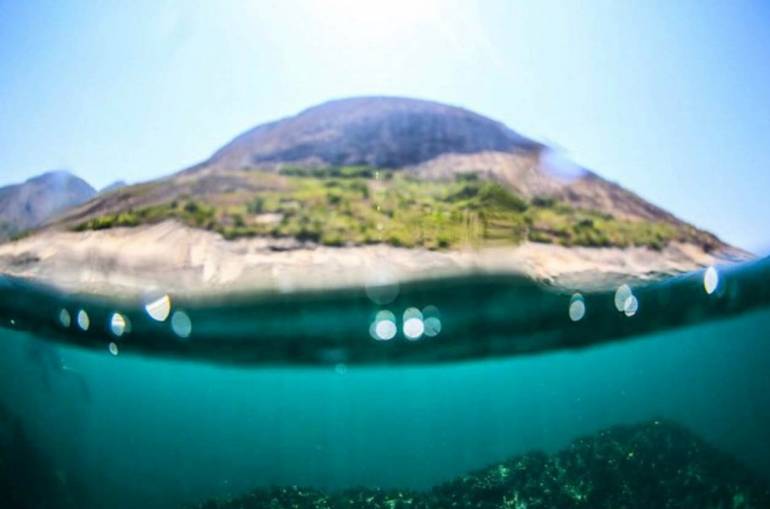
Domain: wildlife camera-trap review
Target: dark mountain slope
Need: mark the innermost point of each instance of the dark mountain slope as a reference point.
(386, 132)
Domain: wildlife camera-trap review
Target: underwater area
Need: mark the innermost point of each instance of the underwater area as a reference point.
(475, 391)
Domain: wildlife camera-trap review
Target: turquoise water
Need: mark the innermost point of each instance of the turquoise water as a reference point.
(264, 391)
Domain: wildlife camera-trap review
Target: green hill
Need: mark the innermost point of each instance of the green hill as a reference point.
(356, 205)
(396, 171)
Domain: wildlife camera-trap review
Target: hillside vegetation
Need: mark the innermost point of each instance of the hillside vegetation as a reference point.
(355, 205)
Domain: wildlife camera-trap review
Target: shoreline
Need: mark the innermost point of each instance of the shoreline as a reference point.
(174, 258)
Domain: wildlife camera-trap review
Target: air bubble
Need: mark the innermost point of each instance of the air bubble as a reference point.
(631, 306)
(710, 280)
(181, 324)
(414, 328)
(577, 308)
(65, 319)
(84, 322)
(621, 296)
(118, 324)
(383, 328)
(159, 309)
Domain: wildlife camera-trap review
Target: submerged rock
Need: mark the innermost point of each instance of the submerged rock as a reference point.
(28, 477)
(657, 464)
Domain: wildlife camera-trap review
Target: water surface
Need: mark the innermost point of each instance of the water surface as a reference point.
(232, 395)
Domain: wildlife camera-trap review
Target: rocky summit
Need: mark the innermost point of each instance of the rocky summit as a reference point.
(384, 132)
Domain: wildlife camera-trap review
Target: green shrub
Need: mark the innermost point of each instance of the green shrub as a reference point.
(467, 177)
(543, 201)
(492, 194)
(256, 206)
(353, 205)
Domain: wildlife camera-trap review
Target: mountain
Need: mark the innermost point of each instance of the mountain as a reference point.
(354, 139)
(352, 179)
(30, 204)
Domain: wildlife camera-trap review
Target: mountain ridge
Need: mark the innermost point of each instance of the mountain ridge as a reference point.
(31, 203)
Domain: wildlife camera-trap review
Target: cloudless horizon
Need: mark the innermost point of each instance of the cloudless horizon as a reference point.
(669, 99)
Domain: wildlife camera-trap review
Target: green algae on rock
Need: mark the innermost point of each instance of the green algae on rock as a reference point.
(655, 464)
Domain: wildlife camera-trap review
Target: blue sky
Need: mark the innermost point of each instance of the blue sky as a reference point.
(670, 99)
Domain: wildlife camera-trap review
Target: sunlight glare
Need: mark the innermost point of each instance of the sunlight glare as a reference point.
(381, 22)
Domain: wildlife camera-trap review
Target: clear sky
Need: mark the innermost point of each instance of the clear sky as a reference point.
(670, 99)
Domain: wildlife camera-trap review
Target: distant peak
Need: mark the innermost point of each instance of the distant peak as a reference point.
(39, 198)
(54, 174)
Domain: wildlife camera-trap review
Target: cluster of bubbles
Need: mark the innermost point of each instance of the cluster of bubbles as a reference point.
(625, 300)
(627, 303)
(158, 309)
(414, 324)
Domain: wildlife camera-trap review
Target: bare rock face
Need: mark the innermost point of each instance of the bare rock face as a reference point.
(378, 131)
(27, 205)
